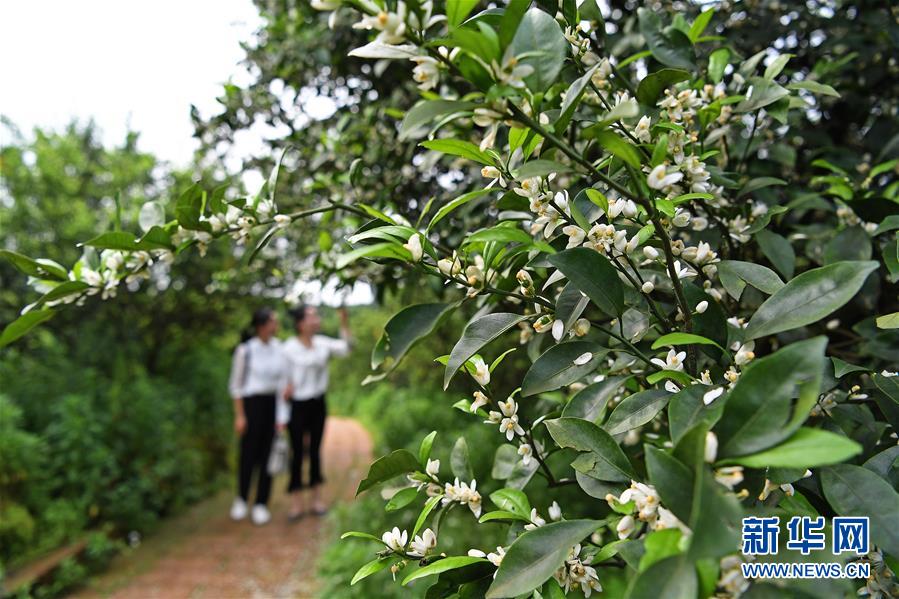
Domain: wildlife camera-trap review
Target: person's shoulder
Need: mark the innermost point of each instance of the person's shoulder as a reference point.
(289, 343)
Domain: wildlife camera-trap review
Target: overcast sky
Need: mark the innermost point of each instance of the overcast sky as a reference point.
(129, 64)
(124, 63)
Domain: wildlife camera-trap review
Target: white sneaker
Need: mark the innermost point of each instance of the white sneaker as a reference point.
(260, 515)
(238, 509)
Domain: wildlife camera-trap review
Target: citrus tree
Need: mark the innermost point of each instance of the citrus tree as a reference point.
(709, 337)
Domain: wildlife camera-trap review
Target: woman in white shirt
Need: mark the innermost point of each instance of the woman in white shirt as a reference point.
(258, 375)
(307, 355)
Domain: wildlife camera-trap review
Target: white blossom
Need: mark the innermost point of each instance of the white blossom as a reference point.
(432, 468)
(659, 177)
(673, 361)
(395, 539)
(414, 247)
(555, 512)
(422, 545)
(480, 400)
(481, 372)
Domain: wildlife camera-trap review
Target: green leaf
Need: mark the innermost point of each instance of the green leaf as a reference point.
(536, 554)
(457, 10)
(406, 328)
(778, 250)
(717, 63)
(671, 578)
(759, 183)
(555, 368)
(114, 240)
(807, 448)
(352, 534)
(686, 409)
(24, 323)
(670, 46)
(759, 411)
(890, 223)
(429, 506)
(672, 339)
(512, 16)
(734, 275)
(512, 500)
(458, 147)
(700, 24)
(852, 243)
(372, 567)
(401, 499)
(815, 87)
(478, 333)
(442, 565)
(672, 479)
(424, 449)
(40, 269)
(593, 274)
(777, 65)
(652, 86)
(540, 168)
(189, 207)
(618, 147)
(459, 460)
(856, 491)
(660, 544)
(399, 462)
(715, 517)
(888, 399)
(888, 321)
(502, 515)
(572, 99)
(502, 233)
(762, 93)
(636, 410)
(609, 461)
(590, 402)
(425, 112)
(841, 368)
(811, 296)
(456, 203)
(540, 38)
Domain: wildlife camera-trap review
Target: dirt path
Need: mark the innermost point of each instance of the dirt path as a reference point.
(202, 554)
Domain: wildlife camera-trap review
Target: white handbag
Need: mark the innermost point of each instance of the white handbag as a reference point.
(277, 458)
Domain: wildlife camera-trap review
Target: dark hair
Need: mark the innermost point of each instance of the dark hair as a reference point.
(260, 317)
(298, 313)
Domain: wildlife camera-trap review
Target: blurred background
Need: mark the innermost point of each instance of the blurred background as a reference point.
(114, 418)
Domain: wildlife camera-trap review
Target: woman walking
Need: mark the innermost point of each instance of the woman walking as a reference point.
(258, 375)
(308, 354)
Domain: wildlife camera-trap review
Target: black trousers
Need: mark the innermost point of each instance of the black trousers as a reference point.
(255, 445)
(307, 418)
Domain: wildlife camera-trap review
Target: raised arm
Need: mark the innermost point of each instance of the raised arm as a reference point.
(341, 347)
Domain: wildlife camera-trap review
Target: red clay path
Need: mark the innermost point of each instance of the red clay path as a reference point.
(202, 554)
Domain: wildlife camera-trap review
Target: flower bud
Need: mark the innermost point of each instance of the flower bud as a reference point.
(490, 172)
(581, 327)
(648, 287)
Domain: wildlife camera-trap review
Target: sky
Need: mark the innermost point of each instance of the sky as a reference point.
(123, 63)
(135, 65)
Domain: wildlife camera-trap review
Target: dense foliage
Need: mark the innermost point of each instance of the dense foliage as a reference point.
(690, 245)
(112, 416)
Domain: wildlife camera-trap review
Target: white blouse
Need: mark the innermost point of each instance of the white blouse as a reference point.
(309, 365)
(258, 368)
